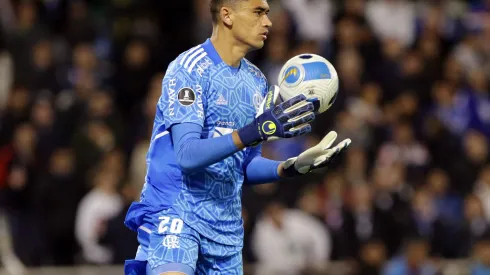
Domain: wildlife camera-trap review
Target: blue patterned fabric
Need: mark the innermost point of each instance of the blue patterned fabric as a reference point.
(200, 88)
(169, 244)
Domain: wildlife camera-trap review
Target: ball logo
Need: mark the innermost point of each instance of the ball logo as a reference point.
(269, 127)
(186, 96)
(292, 75)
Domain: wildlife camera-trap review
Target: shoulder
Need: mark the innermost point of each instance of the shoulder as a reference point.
(302, 218)
(194, 63)
(254, 70)
(394, 266)
(257, 75)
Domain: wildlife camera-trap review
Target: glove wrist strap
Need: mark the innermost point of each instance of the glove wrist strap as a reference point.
(288, 168)
(250, 134)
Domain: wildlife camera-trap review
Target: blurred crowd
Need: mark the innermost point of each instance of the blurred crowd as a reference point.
(79, 82)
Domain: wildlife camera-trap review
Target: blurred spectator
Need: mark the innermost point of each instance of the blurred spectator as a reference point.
(313, 18)
(18, 197)
(480, 101)
(362, 221)
(93, 140)
(366, 107)
(348, 126)
(405, 149)
(58, 195)
(6, 73)
(425, 223)
(133, 76)
(79, 27)
(326, 202)
(392, 195)
(95, 209)
(465, 168)
(257, 197)
(43, 120)
(451, 107)
(413, 261)
(100, 106)
(289, 241)
(17, 112)
(482, 258)
(120, 239)
(392, 19)
(482, 189)
(448, 204)
(473, 228)
(85, 65)
(468, 53)
(372, 258)
(43, 74)
(356, 166)
(27, 32)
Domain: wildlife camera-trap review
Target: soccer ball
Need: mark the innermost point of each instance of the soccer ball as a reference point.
(311, 75)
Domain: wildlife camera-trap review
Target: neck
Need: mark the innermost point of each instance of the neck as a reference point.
(229, 49)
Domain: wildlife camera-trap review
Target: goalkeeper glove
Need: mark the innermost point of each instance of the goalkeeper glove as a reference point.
(288, 119)
(316, 157)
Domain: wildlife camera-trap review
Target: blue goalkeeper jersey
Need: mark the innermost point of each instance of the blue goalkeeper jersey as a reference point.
(200, 88)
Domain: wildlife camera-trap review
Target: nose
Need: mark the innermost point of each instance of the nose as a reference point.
(267, 22)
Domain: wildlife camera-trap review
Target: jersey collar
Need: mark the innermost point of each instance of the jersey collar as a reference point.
(213, 54)
(211, 51)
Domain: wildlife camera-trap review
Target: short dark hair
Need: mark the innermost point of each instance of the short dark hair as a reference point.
(216, 5)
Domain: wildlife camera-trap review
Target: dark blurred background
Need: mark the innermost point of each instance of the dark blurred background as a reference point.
(79, 81)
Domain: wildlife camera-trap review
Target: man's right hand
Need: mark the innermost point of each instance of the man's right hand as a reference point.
(287, 119)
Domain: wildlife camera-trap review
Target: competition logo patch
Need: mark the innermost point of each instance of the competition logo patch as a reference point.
(186, 96)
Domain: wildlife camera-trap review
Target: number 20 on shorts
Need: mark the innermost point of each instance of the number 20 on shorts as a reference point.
(176, 225)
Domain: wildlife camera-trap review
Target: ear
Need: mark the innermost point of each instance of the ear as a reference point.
(226, 15)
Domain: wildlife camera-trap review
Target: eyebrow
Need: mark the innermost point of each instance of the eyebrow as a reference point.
(261, 9)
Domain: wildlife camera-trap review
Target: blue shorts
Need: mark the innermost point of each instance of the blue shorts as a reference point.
(167, 243)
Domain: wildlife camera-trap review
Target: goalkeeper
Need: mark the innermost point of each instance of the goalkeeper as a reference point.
(214, 112)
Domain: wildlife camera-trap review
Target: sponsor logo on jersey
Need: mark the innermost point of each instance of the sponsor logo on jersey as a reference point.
(221, 100)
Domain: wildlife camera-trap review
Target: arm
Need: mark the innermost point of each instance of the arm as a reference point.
(193, 153)
(259, 170)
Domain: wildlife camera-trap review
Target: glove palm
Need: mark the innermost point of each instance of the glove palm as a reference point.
(316, 157)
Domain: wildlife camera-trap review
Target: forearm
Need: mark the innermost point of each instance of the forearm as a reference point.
(194, 154)
(261, 170)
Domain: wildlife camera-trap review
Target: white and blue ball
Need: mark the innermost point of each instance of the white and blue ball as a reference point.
(311, 75)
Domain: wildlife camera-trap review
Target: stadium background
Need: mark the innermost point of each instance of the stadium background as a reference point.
(79, 81)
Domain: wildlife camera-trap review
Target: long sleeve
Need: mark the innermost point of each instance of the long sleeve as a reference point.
(194, 153)
(260, 170)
